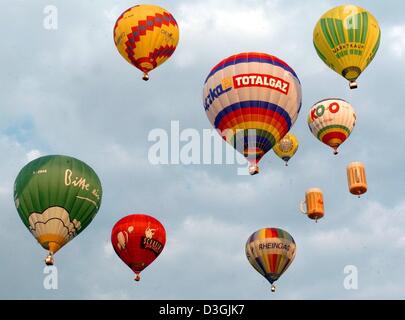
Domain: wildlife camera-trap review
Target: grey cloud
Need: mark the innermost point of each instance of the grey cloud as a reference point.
(68, 91)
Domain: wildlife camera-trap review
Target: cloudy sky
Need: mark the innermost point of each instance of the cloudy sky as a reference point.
(67, 91)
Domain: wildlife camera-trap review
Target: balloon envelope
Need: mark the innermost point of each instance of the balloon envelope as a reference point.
(270, 251)
(356, 178)
(331, 121)
(146, 36)
(347, 38)
(252, 99)
(57, 197)
(286, 147)
(138, 239)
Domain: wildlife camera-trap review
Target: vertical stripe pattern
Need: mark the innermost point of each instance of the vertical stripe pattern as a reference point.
(346, 38)
(270, 251)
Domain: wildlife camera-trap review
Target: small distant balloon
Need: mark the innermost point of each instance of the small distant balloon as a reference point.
(286, 147)
(313, 205)
(331, 121)
(356, 178)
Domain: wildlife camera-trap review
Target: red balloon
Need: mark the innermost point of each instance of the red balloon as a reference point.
(138, 239)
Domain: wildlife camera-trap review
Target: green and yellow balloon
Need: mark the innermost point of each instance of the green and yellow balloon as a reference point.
(347, 39)
(56, 197)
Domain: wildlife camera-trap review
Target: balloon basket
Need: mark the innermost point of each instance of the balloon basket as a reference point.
(145, 77)
(353, 85)
(273, 288)
(49, 261)
(253, 169)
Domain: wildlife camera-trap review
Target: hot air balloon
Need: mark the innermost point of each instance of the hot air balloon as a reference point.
(138, 239)
(286, 147)
(252, 99)
(56, 197)
(347, 38)
(313, 203)
(270, 251)
(146, 36)
(331, 121)
(356, 178)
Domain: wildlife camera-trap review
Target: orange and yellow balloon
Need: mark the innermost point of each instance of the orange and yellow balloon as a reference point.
(146, 36)
(347, 38)
(331, 121)
(356, 178)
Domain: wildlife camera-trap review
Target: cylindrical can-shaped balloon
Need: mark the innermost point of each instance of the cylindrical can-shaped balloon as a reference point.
(313, 205)
(356, 178)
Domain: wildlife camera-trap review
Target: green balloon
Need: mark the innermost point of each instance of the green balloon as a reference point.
(57, 197)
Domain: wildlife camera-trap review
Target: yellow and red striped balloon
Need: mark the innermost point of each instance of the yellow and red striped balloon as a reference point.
(270, 251)
(331, 121)
(146, 36)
